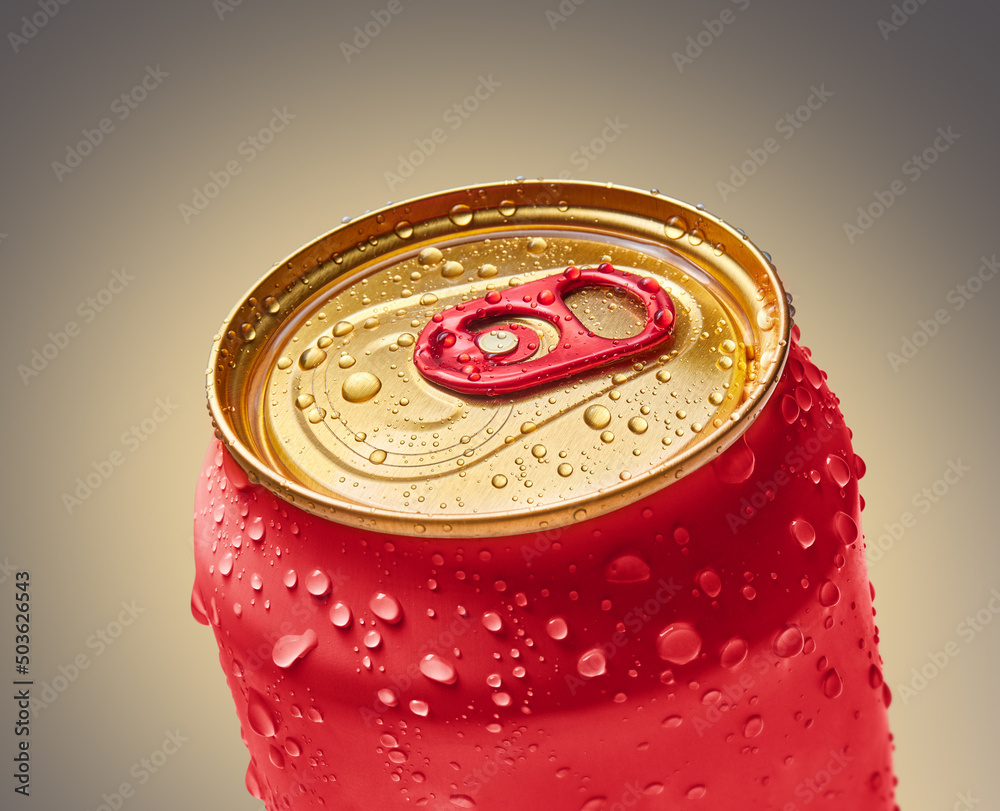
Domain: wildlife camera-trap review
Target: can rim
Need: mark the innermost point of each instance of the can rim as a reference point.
(231, 413)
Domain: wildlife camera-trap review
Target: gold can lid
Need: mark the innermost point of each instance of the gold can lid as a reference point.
(327, 385)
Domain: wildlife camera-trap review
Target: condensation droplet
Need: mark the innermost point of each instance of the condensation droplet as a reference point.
(340, 614)
(342, 328)
(709, 582)
(803, 532)
(627, 569)
(557, 628)
(438, 669)
(592, 664)
(289, 649)
(734, 652)
(452, 270)
(318, 583)
(492, 621)
(678, 643)
(789, 642)
(386, 608)
(753, 726)
(829, 594)
(460, 214)
(833, 684)
(838, 469)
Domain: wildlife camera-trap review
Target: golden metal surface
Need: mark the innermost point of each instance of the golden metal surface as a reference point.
(312, 383)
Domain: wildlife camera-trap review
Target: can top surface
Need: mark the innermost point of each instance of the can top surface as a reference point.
(465, 364)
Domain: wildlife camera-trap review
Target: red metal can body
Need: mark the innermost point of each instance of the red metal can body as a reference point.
(709, 641)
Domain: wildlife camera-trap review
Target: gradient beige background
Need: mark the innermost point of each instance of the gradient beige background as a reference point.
(130, 541)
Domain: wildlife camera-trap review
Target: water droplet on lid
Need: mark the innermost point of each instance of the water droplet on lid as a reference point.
(565, 469)
(403, 229)
(499, 481)
(342, 328)
(538, 451)
(789, 642)
(829, 594)
(597, 416)
(753, 727)
(734, 652)
(283, 363)
(507, 208)
(377, 456)
(678, 643)
(418, 707)
(627, 569)
(452, 270)
(360, 386)
(318, 583)
(537, 245)
(557, 628)
(460, 214)
(259, 715)
(311, 358)
(637, 425)
(803, 532)
(346, 362)
(429, 256)
(833, 684)
(293, 647)
(438, 669)
(386, 608)
(303, 401)
(340, 614)
(838, 469)
(592, 664)
(675, 228)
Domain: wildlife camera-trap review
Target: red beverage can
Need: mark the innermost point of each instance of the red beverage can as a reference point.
(526, 495)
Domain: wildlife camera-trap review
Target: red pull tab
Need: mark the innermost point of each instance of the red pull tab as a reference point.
(497, 360)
